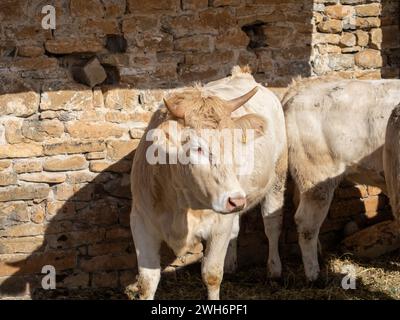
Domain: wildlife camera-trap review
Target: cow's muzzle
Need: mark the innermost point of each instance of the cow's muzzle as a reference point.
(230, 202)
(234, 204)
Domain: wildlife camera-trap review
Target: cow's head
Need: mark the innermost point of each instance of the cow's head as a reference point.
(197, 137)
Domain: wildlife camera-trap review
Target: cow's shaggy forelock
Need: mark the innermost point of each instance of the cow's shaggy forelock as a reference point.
(202, 110)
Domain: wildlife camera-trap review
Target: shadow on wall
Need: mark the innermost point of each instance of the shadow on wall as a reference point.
(87, 239)
(390, 22)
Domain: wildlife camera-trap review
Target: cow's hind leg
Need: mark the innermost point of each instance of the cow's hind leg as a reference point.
(212, 268)
(312, 211)
(230, 265)
(147, 246)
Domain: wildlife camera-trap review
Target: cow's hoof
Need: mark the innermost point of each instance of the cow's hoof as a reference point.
(276, 282)
(132, 292)
(274, 270)
(274, 275)
(312, 273)
(313, 277)
(318, 283)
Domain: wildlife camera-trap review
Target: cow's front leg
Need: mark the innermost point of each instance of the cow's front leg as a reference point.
(272, 212)
(147, 246)
(212, 268)
(230, 265)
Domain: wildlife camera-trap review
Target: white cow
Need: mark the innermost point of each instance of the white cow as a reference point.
(335, 129)
(185, 202)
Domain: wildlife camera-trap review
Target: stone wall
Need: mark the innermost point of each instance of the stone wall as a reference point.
(66, 148)
(356, 39)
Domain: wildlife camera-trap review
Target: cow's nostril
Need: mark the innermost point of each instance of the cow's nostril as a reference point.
(235, 204)
(231, 202)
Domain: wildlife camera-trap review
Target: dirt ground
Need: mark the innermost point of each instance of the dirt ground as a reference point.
(377, 280)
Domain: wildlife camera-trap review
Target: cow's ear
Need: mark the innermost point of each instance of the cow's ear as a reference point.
(175, 108)
(252, 121)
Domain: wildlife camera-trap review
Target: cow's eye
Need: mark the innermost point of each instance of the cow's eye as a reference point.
(199, 150)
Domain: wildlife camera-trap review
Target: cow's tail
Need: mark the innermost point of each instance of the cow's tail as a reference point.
(241, 71)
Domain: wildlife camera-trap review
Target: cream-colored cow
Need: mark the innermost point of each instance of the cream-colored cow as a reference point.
(336, 129)
(183, 203)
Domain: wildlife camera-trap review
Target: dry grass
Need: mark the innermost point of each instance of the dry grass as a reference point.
(376, 280)
(379, 279)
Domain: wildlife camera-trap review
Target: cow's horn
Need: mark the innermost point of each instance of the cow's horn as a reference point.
(177, 111)
(236, 103)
